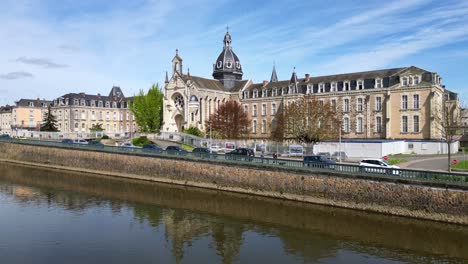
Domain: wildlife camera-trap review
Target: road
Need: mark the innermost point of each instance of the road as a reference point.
(435, 163)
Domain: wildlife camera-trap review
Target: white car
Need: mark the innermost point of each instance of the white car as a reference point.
(216, 149)
(80, 141)
(378, 166)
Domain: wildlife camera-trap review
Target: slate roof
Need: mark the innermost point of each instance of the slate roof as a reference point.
(37, 102)
(213, 84)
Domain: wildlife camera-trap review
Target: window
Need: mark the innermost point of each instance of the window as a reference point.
(75, 102)
(128, 116)
(254, 110)
(321, 88)
(83, 114)
(246, 108)
(359, 104)
(255, 94)
(100, 104)
(378, 124)
(107, 116)
(405, 81)
(346, 86)
(115, 116)
(83, 102)
(263, 126)
(310, 89)
(283, 91)
(193, 116)
(404, 102)
(333, 104)
(321, 103)
(378, 103)
(275, 92)
(360, 85)
(246, 94)
(346, 124)
(93, 103)
(263, 109)
(404, 124)
(416, 101)
(416, 124)
(415, 80)
(264, 93)
(273, 108)
(333, 87)
(359, 125)
(107, 104)
(378, 83)
(76, 114)
(254, 126)
(346, 105)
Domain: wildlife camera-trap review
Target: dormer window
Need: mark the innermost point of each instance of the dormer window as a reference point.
(283, 91)
(360, 85)
(31, 104)
(378, 83)
(310, 89)
(229, 64)
(107, 104)
(75, 102)
(321, 88)
(83, 102)
(238, 65)
(114, 105)
(333, 87)
(274, 92)
(246, 94)
(66, 101)
(100, 104)
(346, 86)
(219, 64)
(264, 93)
(255, 93)
(415, 80)
(93, 103)
(404, 81)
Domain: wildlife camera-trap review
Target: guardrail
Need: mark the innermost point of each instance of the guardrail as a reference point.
(347, 169)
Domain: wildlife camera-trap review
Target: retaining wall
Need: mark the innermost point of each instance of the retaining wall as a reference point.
(411, 200)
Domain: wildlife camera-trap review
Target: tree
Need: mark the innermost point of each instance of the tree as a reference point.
(308, 120)
(193, 131)
(277, 125)
(97, 128)
(49, 123)
(450, 123)
(229, 121)
(148, 109)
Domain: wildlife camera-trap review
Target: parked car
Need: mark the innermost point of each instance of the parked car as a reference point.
(318, 161)
(241, 154)
(378, 166)
(152, 148)
(201, 150)
(326, 154)
(177, 150)
(339, 156)
(95, 143)
(4, 136)
(216, 148)
(80, 141)
(67, 141)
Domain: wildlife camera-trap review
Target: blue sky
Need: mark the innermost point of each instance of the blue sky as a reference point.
(49, 48)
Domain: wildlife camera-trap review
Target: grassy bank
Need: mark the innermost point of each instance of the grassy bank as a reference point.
(461, 165)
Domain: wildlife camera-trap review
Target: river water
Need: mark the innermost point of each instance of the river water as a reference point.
(49, 216)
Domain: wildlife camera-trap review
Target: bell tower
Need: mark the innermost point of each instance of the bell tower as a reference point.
(177, 63)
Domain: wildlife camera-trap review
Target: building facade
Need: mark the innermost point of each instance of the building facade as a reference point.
(28, 114)
(79, 112)
(5, 119)
(398, 103)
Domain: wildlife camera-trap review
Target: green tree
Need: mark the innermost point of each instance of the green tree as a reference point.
(148, 109)
(49, 124)
(96, 128)
(194, 131)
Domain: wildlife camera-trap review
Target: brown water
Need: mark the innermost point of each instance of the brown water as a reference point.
(48, 216)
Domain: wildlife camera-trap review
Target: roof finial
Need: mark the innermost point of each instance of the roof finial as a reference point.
(227, 28)
(188, 73)
(177, 52)
(167, 78)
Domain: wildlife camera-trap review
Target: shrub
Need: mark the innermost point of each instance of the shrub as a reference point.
(194, 131)
(105, 137)
(141, 141)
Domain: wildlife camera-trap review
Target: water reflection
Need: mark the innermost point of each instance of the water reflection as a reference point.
(194, 225)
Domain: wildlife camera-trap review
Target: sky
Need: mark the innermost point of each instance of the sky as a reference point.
(52, 47)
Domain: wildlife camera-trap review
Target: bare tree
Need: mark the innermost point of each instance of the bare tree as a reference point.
(229, 121)
(308, 120)
(450, 122)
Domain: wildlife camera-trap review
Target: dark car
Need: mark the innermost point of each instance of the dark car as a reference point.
(152, 148)
(201, 150)
(241, 154)
(176, 150)
(95, 143)
(318, 161)
(67, 141)
(4, 136)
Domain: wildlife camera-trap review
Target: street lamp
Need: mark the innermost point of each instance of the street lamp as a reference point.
(211, 137)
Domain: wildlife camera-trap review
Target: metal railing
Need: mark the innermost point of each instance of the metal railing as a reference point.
(458, 179)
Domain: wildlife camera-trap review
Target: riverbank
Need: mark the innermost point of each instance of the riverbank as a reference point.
(410, 200)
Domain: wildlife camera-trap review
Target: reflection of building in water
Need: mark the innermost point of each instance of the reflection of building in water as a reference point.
(183, 227)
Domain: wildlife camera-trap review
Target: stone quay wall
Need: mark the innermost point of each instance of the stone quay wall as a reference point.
(402, 199)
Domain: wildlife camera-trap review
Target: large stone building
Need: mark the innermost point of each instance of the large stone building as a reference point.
(78, 112)
(28, 114)
(398, 103)
(5, 119)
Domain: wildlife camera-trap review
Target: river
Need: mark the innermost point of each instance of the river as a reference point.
(50, 216)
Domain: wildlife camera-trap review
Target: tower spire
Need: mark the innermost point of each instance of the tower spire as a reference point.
(274, 76)
(167, 78)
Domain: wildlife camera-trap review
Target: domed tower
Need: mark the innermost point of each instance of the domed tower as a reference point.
(227, 67)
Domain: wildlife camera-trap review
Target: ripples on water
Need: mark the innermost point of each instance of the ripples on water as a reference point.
(55, 217)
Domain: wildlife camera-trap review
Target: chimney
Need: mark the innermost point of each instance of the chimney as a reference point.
(265, 82)
(307, 77)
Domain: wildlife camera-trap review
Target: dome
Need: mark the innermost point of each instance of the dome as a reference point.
(227, 61)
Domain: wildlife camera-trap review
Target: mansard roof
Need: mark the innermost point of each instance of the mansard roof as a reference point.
(37, 102)
(115, 94)
(212, 84)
